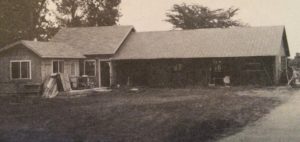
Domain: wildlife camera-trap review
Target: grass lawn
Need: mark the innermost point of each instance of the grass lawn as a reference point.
(153, 115)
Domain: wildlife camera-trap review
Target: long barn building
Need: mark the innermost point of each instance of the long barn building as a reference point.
(118, 55)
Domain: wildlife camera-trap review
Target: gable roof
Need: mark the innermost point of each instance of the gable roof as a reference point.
(204, 43)
(94, 40)
(48, 49)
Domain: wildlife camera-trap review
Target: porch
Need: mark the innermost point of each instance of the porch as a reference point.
(93, 73)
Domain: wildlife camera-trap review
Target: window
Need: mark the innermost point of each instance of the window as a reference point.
(73, 68)
(20, 69)
(178, 67)
(58, 66)
(217, 66)
(90, 67)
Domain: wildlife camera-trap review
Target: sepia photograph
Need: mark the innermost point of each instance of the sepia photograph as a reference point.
(149, 70)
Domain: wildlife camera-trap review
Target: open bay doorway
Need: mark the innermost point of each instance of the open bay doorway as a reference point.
(105, 73)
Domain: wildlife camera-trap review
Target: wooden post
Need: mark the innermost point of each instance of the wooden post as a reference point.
(112, 72)
(277, 67)
(98, 72)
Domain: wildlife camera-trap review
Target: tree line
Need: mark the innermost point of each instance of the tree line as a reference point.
(41, 19)
(34, 19)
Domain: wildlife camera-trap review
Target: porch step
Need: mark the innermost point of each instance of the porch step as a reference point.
(102, 89)
(76, 92)
(85, 92)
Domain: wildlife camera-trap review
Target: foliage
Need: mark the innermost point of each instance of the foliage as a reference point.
(24, 19)
(103, 12)
(196, 16)
(33, 19)
(70, 12)
(74, 13)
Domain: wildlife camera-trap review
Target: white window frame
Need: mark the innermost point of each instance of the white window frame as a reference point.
(58, 65)
(94, 70)
(75, 68)
(20, 61)
(178, 67)
(218, 66)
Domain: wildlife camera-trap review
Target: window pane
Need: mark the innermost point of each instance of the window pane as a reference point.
(217, 66)
(55, 66)
(73, 68)
(25, 71)
(15, 70)
(90, 67)
(61, 66)
(179, 67)
(81, 68)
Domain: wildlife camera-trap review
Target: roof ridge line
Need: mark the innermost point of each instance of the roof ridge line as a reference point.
(97, 27)
(181, 30)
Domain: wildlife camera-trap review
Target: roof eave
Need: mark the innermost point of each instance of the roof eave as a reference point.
(99, 54)
(52, 57)
(17, 43)
(132, 29)
(285, 39)
(157, 58)
(30, 48)
(10, 46)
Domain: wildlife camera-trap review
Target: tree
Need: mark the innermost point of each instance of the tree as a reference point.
(70, 12)
(29, 19)
(24, 19)
(103, 12)
(196, 16)
(74, 13)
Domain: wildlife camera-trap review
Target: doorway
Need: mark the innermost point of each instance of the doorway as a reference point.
(217, 72)
(105, 74)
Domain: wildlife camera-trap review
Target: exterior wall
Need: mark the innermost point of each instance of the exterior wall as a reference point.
(195, 72)
(47, 67)
(8, 86)
(277, 69)
(280, 65)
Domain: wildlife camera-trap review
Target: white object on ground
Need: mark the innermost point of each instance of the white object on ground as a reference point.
(134, 89)
(226, 79)
(102, 89)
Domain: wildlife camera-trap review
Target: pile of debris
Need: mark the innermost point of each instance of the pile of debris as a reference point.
(54, 84)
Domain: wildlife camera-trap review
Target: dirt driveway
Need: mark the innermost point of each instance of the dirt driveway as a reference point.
(281, 125)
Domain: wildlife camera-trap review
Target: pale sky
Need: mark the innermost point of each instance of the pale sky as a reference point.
(149, 15)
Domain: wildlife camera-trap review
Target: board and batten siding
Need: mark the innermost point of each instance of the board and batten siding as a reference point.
(47, 67)
(41, 69)
(19, 52)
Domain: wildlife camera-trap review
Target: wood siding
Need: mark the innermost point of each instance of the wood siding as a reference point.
(41, 69)
(280, 66)
(47, 68)
(8, 86)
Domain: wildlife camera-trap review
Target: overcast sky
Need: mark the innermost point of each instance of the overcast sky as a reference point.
(149, 15)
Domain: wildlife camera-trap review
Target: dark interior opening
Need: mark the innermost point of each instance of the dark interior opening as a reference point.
(196, 72)
(105, 74)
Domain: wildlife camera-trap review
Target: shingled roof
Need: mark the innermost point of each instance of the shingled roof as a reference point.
(94, 40)
(48, 49)
(204, 43)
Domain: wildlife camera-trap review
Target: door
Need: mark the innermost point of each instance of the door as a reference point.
(105, 74)
(217, 72)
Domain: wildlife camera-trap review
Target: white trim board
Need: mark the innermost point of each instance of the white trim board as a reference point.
(20, 61)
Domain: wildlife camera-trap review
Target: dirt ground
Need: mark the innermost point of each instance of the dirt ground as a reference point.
(282, 124)
(151, 115)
